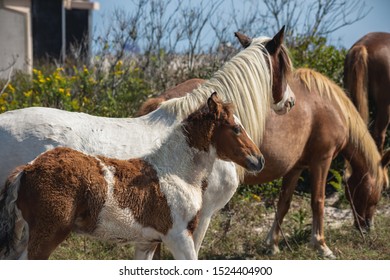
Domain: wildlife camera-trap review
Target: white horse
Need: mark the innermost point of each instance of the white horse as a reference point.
(248, 80)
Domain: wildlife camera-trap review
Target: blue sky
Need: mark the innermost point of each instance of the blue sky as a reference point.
(377, 20)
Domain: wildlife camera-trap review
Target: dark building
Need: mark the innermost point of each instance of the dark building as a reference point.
(34, 30)
(57, 25)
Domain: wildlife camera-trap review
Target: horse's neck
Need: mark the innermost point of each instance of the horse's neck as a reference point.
(356, 159)
(176, 158)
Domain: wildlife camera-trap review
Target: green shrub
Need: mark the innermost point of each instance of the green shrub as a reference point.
(115, 93)
(315, 53)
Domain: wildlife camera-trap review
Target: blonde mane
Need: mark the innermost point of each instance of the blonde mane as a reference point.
(245, 80)
(359, 135)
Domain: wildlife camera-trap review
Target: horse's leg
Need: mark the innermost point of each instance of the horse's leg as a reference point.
(222, 185)
(48, 227)
(382, 119)
(145, 251)
(201, 230)
(44, 240)
(318, 174)
(285, 196)
(181, 246)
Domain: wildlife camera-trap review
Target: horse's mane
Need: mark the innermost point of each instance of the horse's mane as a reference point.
(246, 81)
(359, 135)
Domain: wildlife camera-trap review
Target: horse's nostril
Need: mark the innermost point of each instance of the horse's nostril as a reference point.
(255, 163)
(262, 160)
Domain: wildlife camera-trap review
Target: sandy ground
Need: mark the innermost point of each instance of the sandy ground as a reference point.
(334, 217)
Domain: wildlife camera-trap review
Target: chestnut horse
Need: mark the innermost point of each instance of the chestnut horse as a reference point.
(148, 200)
(322, 124)
(367, 80)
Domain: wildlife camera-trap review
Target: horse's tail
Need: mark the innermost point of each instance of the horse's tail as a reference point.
(13, 228)
(356, 79)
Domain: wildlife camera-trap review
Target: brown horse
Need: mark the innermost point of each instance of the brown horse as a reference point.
(146, 200)
(322, 124)
(367, 80)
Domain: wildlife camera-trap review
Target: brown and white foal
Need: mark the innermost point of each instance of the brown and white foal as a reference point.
(146, 200)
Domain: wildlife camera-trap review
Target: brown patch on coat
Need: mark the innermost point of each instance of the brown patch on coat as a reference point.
(137, 188)
(199, 126)
(204, 185)
(193, 224)
(63, 190)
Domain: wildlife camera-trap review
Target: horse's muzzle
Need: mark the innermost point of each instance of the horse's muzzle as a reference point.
(255, 163)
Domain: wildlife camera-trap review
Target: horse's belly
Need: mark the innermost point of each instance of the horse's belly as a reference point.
(119, 225)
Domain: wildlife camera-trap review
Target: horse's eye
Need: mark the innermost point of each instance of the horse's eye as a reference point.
(236, 129)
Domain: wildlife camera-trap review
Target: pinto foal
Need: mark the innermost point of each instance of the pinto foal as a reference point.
(146, 201)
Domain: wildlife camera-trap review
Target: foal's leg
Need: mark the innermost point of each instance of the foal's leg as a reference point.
(318, 176)
(285, 196)
(145, 251)
(44, 240)
(200, 232)
(181, 245)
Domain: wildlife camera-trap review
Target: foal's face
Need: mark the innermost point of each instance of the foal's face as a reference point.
(230, 138)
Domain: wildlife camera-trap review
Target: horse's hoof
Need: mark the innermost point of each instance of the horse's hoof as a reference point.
(328, 254)
(272, 251)
(331, 256)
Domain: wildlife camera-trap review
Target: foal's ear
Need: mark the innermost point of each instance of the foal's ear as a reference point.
(214, 104)
(386, 158)
(276, 42)
(244, 40)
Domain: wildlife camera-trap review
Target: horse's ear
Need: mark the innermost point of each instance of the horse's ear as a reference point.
(386, 158)
(244, 40)
(214, 104)
(276, 42)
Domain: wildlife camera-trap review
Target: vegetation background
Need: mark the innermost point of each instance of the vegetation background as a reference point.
(143, 53)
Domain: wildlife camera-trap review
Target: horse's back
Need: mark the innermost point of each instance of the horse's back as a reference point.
(179, 90)
(375, 39)
(26, 133)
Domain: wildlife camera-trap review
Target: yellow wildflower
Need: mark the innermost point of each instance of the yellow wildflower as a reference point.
(11, 88)
(28, 93)
(91, 80)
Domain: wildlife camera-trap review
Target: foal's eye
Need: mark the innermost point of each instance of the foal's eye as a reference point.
(237, 129)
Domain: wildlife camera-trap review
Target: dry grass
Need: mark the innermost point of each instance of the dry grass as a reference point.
(239, 230)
